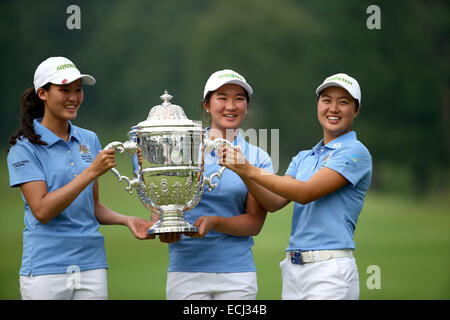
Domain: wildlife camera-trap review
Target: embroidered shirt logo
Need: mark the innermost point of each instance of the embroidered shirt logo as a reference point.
(324, 161)
(84, 149)
(355, 158)
(20, 163)
(85, 153)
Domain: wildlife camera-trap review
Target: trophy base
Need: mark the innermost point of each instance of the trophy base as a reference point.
(162, 227)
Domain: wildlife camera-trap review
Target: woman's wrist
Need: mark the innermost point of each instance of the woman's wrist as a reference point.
(250, 171)
(90, 173)
(125, 220)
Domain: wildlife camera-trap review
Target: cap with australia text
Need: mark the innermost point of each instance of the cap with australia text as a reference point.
(59, 70)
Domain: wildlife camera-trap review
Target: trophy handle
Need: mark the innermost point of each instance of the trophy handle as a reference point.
(215, 144)
(131, 148)
(209, 181)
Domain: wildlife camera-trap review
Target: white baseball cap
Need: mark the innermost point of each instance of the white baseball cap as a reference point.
(58, 70)
(219, 78)
(344, 81)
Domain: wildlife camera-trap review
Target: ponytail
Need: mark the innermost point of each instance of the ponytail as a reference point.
(32, 107)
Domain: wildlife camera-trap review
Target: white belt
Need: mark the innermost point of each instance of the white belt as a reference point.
(301, 257)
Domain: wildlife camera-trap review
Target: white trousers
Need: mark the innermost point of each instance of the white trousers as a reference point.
(211, 286)
(81, 285)
(334, 279)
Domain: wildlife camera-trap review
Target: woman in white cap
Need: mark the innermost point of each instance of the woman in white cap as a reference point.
(328, 184)
(217, 263)
(56, 165)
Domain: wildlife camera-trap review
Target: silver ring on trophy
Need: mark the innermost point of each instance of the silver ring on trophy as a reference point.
(171, 179)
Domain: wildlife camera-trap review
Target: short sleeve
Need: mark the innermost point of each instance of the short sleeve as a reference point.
(265, 162)
(292, 168)
(97, 145)
(258, 157)
(353, 162)
(24, 165)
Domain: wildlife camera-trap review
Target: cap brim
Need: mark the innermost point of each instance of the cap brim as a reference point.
(330, 84)
(85, 79)
(243, 84)
(336, 84)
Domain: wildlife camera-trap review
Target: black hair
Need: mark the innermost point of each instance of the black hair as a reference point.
(32, 107)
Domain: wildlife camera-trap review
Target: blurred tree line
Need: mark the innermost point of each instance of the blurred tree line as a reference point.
(285, 48)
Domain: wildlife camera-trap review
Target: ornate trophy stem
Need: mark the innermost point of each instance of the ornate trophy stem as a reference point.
(172, 221)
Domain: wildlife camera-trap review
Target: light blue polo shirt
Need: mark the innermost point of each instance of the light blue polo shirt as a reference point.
(219, 252)
(329, 222)
(72, 238)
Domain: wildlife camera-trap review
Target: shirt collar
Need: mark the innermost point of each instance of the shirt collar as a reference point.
(336, 143)
(48, 136)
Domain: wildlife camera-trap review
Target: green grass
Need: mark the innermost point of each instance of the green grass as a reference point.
(407, 238)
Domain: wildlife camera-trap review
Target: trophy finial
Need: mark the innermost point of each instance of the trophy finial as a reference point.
(166, 111)
(166, 97)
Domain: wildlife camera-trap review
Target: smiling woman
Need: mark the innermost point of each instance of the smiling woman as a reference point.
(62, 104)
(228, 108)
(56, 165)
(328, 185)
(217, 262)
(336, 109)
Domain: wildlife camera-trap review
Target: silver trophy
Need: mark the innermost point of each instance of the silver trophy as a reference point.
(171, 179)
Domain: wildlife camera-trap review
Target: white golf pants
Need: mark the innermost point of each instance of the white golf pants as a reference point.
(81, 285)
(334, 279)
(211, 286)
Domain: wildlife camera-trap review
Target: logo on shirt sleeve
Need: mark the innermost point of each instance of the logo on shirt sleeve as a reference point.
(355, 158)
(20, 163)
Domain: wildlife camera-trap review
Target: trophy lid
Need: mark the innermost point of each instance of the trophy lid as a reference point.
(166, 114)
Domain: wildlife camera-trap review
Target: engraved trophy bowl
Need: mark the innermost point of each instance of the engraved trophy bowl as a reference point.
(171, 179)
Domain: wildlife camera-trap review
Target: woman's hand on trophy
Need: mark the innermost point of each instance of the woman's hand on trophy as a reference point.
(233, 159)
(139, 227)
(104, 161)
(204, 224)
(139, 154)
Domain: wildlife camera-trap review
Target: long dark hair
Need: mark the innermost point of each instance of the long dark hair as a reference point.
(32, 107)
